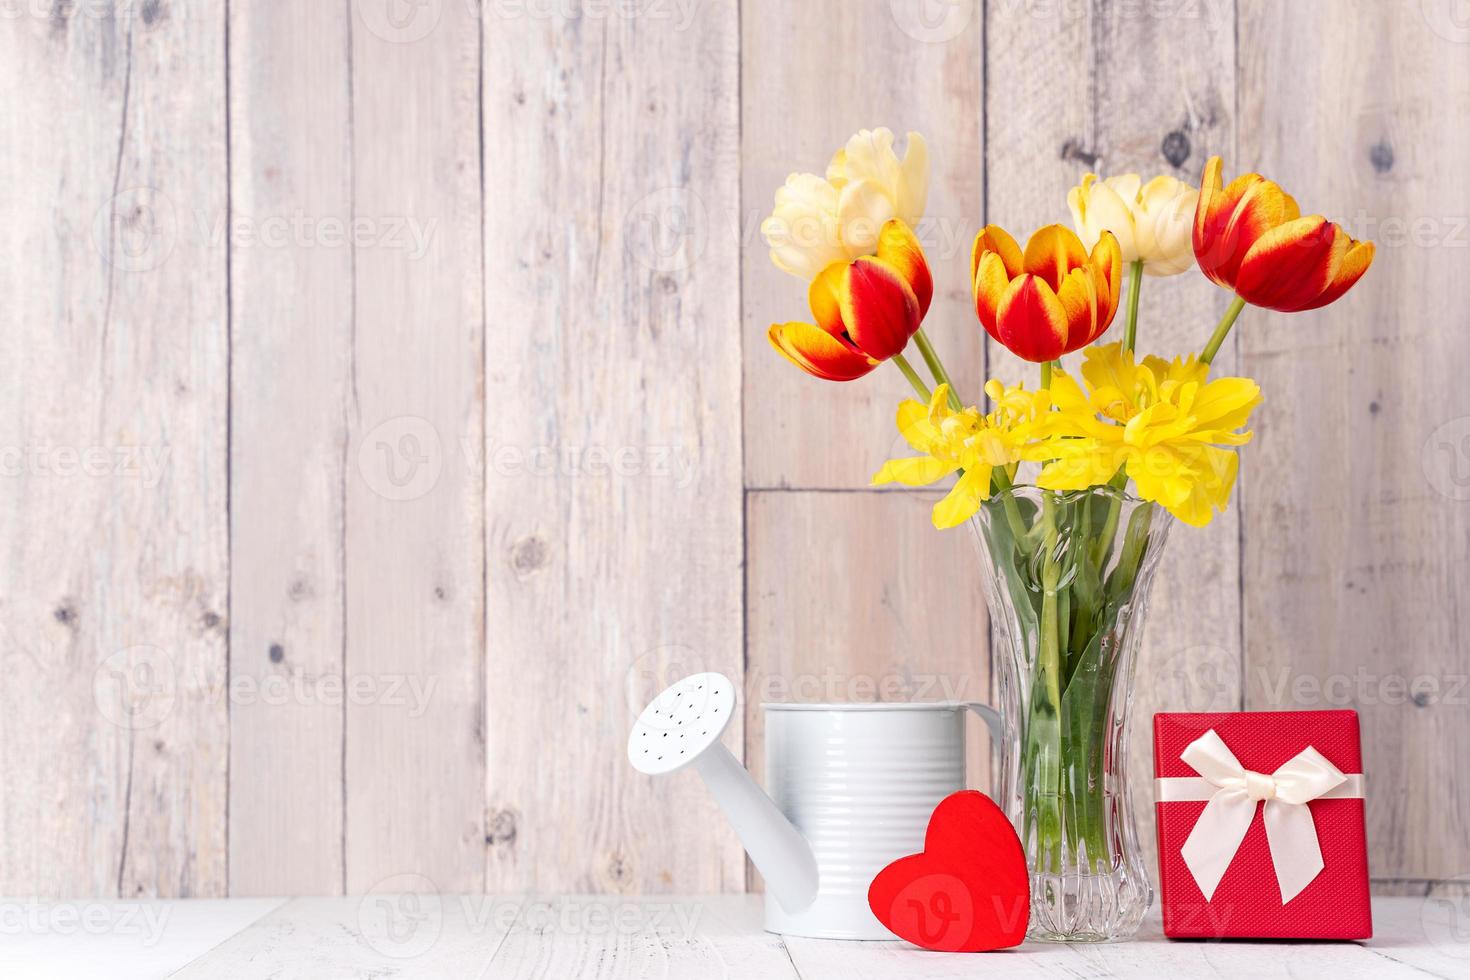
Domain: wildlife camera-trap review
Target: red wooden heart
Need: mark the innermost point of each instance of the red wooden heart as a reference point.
(967, 891)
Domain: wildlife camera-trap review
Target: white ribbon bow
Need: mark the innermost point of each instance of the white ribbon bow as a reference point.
(1233, 791)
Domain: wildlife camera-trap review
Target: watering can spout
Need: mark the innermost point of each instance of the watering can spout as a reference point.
(775, 846)
(681, 727)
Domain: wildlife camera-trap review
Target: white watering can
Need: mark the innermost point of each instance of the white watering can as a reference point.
(852, 789)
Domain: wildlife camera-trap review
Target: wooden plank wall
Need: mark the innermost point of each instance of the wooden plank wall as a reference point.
(388, 413)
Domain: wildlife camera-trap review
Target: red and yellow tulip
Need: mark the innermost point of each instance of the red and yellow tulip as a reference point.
(1049, 300)
(866, 310)
(1250, 238)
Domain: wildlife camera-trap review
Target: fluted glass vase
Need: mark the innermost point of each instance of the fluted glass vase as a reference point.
(1067, 577)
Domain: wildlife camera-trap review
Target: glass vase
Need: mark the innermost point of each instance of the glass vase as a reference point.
(1067, 577)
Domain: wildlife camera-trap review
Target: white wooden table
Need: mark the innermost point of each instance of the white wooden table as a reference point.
(574, 937)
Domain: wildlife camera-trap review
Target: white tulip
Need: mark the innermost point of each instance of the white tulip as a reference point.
(818, 221)
(1153, 222)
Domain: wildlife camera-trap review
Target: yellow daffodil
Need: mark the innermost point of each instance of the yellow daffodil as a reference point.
(1164, 421)
(966, 440)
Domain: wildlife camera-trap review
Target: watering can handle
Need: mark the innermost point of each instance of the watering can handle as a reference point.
(992, 720)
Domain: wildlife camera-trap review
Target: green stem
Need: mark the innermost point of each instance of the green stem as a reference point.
(1218, 337)
(1135, 286)
(1000, 482)
(1048, 693)
(1104, 542)
(936, 367)
(913, 376)
(1046, 374)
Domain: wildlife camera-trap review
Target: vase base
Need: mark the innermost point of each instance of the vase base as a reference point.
(1079, 907)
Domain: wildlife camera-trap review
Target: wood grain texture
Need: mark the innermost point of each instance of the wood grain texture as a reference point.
(1358, 548)
(620, 938)
(394, 933)
(414, 498)
(113, 733)
(1149, 89)
(813, 74)
(291, 311)
(855, 597)
(613, 498)
(706, 936)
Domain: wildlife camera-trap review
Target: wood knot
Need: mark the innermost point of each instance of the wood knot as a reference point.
(618, 870)
(1176, 148)
(1073, 150)
(277, 653)
(500, 830)
(299, 589)
(153, 11)
(66, 615)
(529, 554)
(1380, 154)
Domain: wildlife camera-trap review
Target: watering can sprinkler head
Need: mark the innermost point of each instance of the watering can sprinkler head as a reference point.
(682, 727)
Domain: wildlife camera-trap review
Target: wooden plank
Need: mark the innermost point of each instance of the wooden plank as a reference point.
(1149, 955)
(628, 938)
(1071, 95)
(855, 597)
(613, 499)
(414, 509)
(394, 930)
(1428, 932)
(113, 733)
(907, 66)
(136, 940)
(1356, 552)
(291, 304)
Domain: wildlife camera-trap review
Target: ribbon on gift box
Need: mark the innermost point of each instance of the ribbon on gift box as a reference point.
(1232, 791)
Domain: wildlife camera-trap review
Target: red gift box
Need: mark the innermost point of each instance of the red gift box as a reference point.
(1247, 901)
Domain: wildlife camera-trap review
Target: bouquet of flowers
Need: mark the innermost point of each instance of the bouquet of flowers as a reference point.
(1069, 547)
